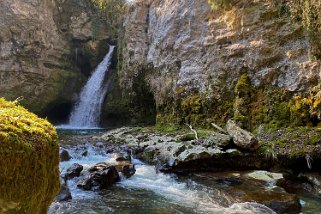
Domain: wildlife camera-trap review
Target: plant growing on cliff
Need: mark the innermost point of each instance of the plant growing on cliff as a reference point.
(309, 13)
(218, 4)
(113, 10)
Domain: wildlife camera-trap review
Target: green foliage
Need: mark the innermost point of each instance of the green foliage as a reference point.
(309, 13)
(29, 162)
(244, 93)
(219, 4)
(187, 137)
(114, 11)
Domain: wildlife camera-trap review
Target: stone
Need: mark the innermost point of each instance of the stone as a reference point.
(101, 176)
(64, 155)
(29, 162)
(241, 137)
(265, 176)
(217, 140)
(126, 168)
(74, 171)
(118, 157)
(64, 194)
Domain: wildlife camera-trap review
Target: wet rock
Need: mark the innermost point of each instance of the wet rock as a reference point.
(64, 156)
(64, 194)
(217, 140)
(73, 171)
(197, 153)
(101, 176)
(84, 154)
(241, 137)
(119, 157)
(304, 183)
(265, 176)
(126, 168)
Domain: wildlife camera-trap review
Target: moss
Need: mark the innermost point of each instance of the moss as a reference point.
(244, 92)
(29, 162)
(187, 137)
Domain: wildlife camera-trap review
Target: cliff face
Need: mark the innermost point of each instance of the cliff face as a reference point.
(47, 49)
(192, 57)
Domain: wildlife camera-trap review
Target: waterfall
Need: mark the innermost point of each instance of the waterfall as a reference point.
(86, 113)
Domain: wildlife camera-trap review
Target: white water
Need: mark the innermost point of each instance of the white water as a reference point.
(86, 113)
(196, 200)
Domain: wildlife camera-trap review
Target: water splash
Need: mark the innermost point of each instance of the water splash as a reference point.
(86, 113)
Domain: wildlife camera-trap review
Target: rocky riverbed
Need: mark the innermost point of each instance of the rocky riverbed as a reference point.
(211, 168)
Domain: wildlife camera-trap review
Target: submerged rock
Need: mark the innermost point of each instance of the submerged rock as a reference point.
(73, 171)
(241, 137)
(101, 176)
(265, 176)
(29, 163)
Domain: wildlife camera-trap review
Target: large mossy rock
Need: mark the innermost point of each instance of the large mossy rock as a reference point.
(29, 161)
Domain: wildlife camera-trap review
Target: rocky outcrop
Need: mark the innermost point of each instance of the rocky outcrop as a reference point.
(29, 161)
(47, 49)
(191, 57)
(73, 171)
(101, 176)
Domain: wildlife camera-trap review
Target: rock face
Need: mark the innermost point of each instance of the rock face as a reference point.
(29, 161)
(47, 49)
(191, 57)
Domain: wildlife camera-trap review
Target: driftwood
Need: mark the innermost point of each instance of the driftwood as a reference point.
(193, 130)
(219, 128)
(241, 137)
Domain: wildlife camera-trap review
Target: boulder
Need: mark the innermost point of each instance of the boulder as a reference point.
(241, 138)
(101, 176)
(64, 156)
(126, 168)
(64, 194)
(73, 171)
(29, 163)
(217, 140)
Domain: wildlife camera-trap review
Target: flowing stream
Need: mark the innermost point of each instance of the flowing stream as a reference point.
(86, 113)
(145, 192)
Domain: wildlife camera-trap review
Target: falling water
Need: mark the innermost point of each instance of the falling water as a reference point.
(86, 113)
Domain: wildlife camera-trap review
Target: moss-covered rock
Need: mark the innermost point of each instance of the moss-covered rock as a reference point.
(29, 161)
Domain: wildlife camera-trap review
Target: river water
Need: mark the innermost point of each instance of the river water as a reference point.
(151, 192)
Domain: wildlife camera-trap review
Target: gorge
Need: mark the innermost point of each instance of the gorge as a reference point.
(167, 106)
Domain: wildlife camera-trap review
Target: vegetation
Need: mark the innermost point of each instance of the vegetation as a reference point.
(29, 161)
(309, 13)
(216, 4)
(113, 10)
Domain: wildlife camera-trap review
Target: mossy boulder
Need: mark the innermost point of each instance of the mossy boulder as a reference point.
(29, 161)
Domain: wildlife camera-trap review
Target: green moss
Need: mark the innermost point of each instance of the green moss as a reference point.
(187, 137)
(29, 162)
(244, 92)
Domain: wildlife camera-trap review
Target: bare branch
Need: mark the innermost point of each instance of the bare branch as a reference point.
(219, 128)
(193, 130)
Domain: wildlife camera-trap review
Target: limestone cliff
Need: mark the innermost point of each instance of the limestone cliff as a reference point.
(191, 58)
(47, 49)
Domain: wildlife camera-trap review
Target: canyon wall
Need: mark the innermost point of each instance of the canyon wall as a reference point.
(251, 62)
(48, 48)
